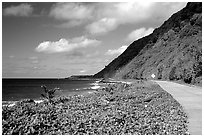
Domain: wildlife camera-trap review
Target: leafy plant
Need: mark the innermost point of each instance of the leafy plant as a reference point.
(49, 94)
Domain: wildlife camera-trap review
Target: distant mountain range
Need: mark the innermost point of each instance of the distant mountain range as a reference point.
(172, 52)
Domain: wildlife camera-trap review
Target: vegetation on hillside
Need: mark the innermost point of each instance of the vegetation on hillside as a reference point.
(176, 55)
(173, 51)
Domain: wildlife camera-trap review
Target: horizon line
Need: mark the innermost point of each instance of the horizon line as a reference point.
(28, 77)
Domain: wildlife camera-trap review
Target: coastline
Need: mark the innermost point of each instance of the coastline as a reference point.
(91, 89)
(114, 109)
(13, 103)
(33, 85)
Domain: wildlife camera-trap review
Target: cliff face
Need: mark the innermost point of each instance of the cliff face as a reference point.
(173, 51)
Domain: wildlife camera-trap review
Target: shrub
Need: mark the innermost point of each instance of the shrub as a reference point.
(172, 75)
(159, 73)
(49, 94)
(187, 77)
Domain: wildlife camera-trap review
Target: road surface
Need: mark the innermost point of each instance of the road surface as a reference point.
(191, 100)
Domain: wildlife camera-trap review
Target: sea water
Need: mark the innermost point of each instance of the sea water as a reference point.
(18, 89)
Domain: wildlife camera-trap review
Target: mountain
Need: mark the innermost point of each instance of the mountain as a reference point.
(172, 52)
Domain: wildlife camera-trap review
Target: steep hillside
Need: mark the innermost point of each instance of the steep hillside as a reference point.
(173, 51)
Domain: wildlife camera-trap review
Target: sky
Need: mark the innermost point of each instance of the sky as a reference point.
(57, 40)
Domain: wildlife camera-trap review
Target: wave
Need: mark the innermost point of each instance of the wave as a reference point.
(13, 103)
(90, 92)
(38, 101)
(91, 86)
(9, 103)
(95, 87)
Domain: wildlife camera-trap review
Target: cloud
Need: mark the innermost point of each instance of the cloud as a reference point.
(82, 71)
(116, 51)
(73, 13)
(100, 18)
(109, 16)
(139, 33)
(20, 10)
(69, 24)
(64, 45)
(102, 26)
(68, 11)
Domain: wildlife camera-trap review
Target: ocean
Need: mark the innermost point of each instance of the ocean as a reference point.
(18, 89)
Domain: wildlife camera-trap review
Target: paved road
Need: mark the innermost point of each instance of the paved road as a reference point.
(191, 99)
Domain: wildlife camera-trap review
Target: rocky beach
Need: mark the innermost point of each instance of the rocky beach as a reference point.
(139, 108)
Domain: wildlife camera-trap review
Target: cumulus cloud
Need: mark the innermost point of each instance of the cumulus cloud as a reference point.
(72, 13)
(64, 45)
(20, 10)
(139, 33)
(116, 51)
(67, 11)
(100, 18)
(109, 16)
(102, 26)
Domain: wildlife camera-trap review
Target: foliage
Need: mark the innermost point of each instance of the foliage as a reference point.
(142, 108)
(176, 46)
(172, 75)
(159, 74)
(48, 94)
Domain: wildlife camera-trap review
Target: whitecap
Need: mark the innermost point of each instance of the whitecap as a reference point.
(11, 105)
(38, 101)
(95, 87)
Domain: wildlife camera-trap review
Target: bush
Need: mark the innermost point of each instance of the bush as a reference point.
(159, 73)
(49, 94)
(172, 75)
(187, 77)
(198, 80)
